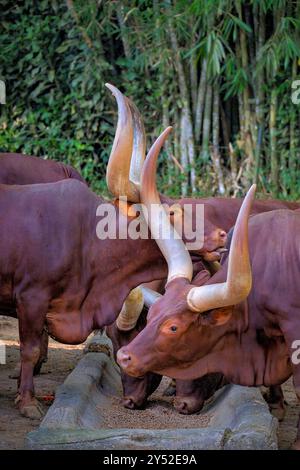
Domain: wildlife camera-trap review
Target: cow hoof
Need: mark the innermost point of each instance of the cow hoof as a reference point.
(31, 410)
(296, 445)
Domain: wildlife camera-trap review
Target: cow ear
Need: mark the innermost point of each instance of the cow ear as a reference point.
(217, 317)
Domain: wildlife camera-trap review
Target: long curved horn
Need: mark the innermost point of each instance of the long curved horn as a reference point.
(150, 296)
(172, 247)
(131, 310)
(239, 277)
(139, 147)
(128, 150)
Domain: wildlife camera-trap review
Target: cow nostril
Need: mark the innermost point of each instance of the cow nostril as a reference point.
(129, 403)
(222, 234)
(182, 407)
(123, 358)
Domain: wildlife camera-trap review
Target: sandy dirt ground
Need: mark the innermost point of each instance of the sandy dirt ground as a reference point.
(61, 360)
(159, 414)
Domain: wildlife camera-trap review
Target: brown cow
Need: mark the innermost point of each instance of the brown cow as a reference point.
(192, 331)
(19, 169)
(56, 274)
(16, 168)
(219, 212)
(190, 395)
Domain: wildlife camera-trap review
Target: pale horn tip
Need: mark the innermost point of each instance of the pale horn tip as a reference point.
(111, 87)
(251, 192)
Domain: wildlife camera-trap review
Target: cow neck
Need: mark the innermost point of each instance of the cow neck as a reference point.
(117, 266)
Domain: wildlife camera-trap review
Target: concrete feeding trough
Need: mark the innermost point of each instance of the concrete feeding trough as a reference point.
(87, 414)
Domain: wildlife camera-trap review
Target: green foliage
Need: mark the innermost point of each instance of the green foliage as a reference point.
(55, 58)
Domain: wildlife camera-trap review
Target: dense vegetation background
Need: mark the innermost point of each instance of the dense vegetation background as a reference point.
(219, 71)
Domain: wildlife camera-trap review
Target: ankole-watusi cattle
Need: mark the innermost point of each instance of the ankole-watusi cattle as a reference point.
(190, 395)
(244, 322)
(220, 215)
(55, 273)
(16, 168)
(218, 212)
(19, 169)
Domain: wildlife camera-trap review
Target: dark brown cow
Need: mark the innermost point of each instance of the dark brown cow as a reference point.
(219, 212)
(190, 395)
(192, 331)
(19, 169)
(55, 274)
(16, 168)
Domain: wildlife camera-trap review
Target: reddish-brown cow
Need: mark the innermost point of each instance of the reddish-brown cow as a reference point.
(16, 168)
(192, 331)
(19, 169)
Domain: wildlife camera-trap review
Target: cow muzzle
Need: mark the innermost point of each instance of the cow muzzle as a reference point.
(132, 403)
(188, 405)
(129, 363)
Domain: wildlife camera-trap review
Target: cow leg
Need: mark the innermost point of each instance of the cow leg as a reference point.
(296, 445)
(275, 399)
(43, 354)
(15, 374)
(291, 335)
(31, 334)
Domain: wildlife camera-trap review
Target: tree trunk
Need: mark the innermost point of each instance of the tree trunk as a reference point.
(183, 153)
(259, 17)
(249, 129)
(168, 145)
(193, 82)
(123, 29)
(216, 134)
(200, 102)
(293, 139)
(225, 130)
(273, 143)
(185, 104)
(206, 123)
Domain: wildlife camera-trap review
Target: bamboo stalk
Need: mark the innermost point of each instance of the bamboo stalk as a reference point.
(200, 101)
(206, 123)
(183, 153)
(259, 89)
(188, 125)
(123, 29)
(273, 142)
(215, 154)
(249, 128)
(193, 82)
(293, 139)
(233, 164)
(225, 130)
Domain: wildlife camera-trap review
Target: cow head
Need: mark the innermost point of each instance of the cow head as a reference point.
(129, 323)
(187, 322)
(191, 394)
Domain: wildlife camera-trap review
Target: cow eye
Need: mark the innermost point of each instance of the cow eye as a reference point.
(173, 328)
